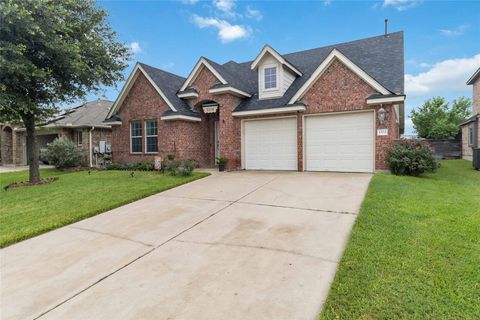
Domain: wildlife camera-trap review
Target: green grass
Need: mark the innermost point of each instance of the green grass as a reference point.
(28, 211)
(414, 252)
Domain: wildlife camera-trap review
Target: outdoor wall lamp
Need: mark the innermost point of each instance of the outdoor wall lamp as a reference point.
(381, 115)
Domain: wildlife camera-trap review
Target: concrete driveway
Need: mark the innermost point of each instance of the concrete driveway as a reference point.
(238, 245)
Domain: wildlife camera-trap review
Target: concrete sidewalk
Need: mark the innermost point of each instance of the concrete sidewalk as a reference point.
(238, 245)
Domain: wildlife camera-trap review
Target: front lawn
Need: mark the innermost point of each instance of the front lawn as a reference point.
(414, 252)
(28, 211)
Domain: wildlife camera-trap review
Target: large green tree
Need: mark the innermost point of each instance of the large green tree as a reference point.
(435, 119)
(53, 52)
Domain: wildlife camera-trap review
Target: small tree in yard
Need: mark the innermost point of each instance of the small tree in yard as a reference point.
(436, 120)
(52, 52)
(63, 153)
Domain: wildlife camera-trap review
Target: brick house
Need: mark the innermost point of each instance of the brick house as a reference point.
(83, 125)
(334, 108)
(471, 126)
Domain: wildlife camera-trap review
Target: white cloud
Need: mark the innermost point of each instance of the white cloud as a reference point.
(254, 14)
(414, 62)
(189, 1)
(458, 31)
(224, 5)
(226, 31)
(445, 76)
(135, 47)
(401, 5)
(169, 65)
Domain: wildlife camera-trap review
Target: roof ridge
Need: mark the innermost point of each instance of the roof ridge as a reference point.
(323, 47)
(167, 72)
(344, 43)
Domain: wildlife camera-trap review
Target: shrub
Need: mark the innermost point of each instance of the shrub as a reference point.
(411, 157)
(114, 166)
(188, 166)
(137, 166)
(222, 161)
(62, 153)
(172, 167)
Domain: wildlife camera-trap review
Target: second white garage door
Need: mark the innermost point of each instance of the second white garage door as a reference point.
(270, 144)
(342, 142)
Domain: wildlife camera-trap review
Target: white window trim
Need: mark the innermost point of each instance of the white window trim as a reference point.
(141, 136)
(79, 133)
(471, 134)
(150, 136)
(270, 66)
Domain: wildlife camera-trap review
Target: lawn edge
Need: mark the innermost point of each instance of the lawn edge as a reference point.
(37, 233)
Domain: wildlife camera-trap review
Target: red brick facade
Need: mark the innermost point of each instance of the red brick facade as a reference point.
(181, 138)
(337, 90)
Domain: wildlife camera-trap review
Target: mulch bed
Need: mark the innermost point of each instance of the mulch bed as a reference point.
(28, 183)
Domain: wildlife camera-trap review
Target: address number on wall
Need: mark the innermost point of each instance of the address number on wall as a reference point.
(382, 132)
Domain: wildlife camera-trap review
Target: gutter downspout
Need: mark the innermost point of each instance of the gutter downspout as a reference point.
(90, 146)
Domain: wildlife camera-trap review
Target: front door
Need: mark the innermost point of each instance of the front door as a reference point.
(217, 141)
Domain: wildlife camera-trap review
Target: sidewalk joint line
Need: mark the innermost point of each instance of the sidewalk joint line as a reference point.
(148, 252)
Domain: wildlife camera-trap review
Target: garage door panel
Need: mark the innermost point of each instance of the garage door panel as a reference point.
(342, 142)
(270, 144)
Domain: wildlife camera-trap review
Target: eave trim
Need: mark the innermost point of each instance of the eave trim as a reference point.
(180, 117)
(268, 111)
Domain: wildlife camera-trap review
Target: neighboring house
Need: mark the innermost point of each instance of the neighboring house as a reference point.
(471, 126)
(334, 108)
(83, 125)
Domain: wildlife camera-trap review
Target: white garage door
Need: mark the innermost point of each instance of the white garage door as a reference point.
(270, 144)
(342, 142)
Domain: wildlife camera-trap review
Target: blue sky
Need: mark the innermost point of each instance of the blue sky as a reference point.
(442, 38)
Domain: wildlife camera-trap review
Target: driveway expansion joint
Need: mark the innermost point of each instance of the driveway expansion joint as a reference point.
(111, 235)
(149, 251)
(257, 247)
(298, 208)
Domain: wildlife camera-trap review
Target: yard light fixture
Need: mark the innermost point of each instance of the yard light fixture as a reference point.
(381, 115)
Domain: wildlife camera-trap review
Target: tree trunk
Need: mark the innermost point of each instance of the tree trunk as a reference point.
(32, 150)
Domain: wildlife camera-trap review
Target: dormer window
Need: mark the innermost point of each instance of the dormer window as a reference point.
(270, 77)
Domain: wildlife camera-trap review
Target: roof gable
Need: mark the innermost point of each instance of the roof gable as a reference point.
(202, 62)
(474, 77)
(269, 50)
(336, 54)
(165, 84)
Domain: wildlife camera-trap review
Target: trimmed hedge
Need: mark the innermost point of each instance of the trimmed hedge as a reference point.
(173, 167)
(411, 157)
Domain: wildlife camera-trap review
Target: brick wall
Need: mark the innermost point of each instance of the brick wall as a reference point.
(337, 90)
(229, 127)
(340, 90)
(476, 96)
(183, 139)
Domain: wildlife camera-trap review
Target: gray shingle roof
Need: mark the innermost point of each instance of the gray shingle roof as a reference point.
(89, 114)
(169, 83)
(474, 77)
(381, 57)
